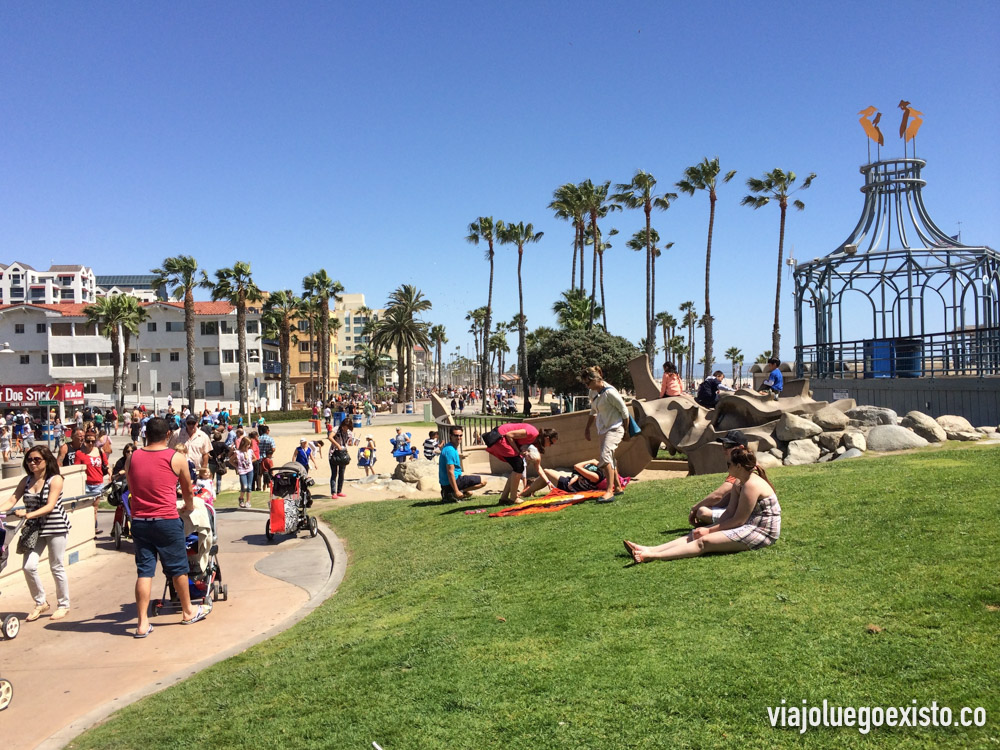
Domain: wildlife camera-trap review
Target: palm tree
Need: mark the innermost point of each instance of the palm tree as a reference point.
(763, 357)
(320, 286)
(478, 320)
(400, 329)
(668, 323)
(567, 205)
(369, 360)
(690, 319)
(335, 324)
(277, 321)
(776, 184)
(236, 286)
(181, 272)
(499, 347)
(521, 234)
(309, 312)
(639, 194)
(703, 176)
(735, 356)
(573, 310)
(438, 338)
(130, 318)
(486, 229)
(679, 349)
(107, 313)
(601, 248)
(596, 204)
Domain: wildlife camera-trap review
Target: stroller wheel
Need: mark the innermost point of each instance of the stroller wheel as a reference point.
(116, 534)
(6, 694)
(153, 610)
(267, 531)
(11, 627)
(313, 526)
(224, 593)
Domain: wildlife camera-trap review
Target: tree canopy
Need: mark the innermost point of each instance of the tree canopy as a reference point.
(556, 358)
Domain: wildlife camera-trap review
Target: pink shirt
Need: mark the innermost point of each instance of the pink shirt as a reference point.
(152, 484)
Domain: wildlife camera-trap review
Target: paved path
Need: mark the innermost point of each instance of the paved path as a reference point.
(83, 668)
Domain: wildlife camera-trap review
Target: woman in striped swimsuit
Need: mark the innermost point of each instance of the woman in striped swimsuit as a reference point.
(41, 492)
(754, 521)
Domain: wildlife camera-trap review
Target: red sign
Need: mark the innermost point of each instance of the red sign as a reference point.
(30, 395)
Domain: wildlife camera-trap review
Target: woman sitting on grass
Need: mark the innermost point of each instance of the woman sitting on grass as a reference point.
(754, 521)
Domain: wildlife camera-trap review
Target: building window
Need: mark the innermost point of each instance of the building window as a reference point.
(19, 328)
(61, 329)
(86, 329)
(214, 389)
(66, 294)
(38, 293)
(175, 356)
(159, 387)
(305, 368)
(133, 356)
(303, 346)
(45, 359)
(175, 385)
(303, 326)
(253, 355)
(25, 359)
(174, 326)
(62, 360)
(66, 280)
(253, 326)
(16, 291)
(209, 328)
(151, 326)
(39, 328)
(154, 357)
(228, 356)
(86, 360)
(211, 358)
(226, 326)
(104, 359)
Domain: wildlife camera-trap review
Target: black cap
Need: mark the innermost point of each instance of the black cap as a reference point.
(733, 437)
(191, 419)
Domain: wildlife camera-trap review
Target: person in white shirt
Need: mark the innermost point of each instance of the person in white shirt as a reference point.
(608, 410)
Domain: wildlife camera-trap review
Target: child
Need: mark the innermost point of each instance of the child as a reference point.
(366, 458)
(775, 382)
(204, 486)
(182, 448)
(431, 446)
(266, 464)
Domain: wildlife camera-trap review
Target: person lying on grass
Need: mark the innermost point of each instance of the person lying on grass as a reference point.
(754, 521)
(586, 477)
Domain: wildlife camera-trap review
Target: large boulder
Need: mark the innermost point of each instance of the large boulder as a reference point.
(801, 452)
(830, 418)
(791, 427)
(413, 471)
(850, 453)
(893, 437)
(958, 428)
(854, 440)
(924, 426)
(871, 415)
(830, 440)
(767, 461)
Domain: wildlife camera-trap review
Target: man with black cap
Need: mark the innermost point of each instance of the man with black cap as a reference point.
(199, 445)
(710, 509)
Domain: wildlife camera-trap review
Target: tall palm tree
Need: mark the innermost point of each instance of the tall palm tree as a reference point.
(668, 323)
(277, 318)
(236, 286)
(679, 349)
(601, 249)
(735, 356)
(369, 360)
(567, 205)
(308, 310)
(690, 319)
(320, 286)
(181, 272)
(107, 314)
(704, 176)
(404, 331)
(478, 319)
(521, 234)
(639, 193)
(499, 347)
(596, 204)
(486, 229)
(776, 184)
(438, 338)
(763, 357)
(573, 310)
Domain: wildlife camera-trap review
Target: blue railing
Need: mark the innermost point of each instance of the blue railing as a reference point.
(272, 368)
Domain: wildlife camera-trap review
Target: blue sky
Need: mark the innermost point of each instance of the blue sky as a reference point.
(364, 137)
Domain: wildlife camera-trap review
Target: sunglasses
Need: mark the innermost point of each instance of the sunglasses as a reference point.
(34, 460)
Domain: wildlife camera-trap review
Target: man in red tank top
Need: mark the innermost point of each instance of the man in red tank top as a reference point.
(157, 529)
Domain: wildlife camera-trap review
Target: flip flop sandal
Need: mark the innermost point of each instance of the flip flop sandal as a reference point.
(149, 630)
(199, 615)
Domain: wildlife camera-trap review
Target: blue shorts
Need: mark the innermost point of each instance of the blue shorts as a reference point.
(163, 539)
(246, 482)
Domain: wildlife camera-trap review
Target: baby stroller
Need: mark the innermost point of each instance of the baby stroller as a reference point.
(11, 623)
(204, 572)
(290, 497)
(116, 493)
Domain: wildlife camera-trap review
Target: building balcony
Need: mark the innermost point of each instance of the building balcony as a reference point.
(272, 368)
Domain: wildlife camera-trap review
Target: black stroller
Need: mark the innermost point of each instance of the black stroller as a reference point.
(11, 623)
(116, 493)
(290, 497)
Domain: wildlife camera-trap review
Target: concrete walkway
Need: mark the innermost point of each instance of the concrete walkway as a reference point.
(71, 674)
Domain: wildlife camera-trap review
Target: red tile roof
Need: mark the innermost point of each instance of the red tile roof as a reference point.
(76, 309)
(200, 308)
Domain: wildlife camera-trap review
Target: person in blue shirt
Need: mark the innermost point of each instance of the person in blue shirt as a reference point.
(455, 485)
(775, 380)
(304, 454)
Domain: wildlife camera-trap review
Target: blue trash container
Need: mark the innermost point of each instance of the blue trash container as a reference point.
(357, 421)
(338, 417)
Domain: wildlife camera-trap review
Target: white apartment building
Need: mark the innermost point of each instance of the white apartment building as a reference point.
(20, 283)
(54, 343)
(350, 337)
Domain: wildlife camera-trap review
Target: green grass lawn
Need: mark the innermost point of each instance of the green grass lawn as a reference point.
(463, 631)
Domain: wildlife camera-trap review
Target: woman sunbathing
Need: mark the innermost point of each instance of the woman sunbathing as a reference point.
(754, 521)
(586, 477)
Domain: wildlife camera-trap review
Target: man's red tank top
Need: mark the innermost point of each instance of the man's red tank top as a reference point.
(152, 484)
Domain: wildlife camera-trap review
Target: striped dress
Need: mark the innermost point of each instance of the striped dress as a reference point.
(56, 522)
(762, 528)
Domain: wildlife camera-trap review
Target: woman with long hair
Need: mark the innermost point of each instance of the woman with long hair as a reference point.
(754, 521)
(672, 385)
(244, 469)
(93, 457)
(41, 490)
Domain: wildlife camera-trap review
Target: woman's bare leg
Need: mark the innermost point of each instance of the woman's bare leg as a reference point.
(534, 487)
(686, 547)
